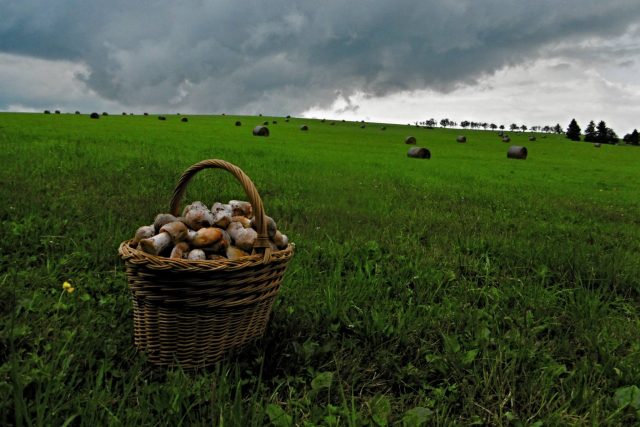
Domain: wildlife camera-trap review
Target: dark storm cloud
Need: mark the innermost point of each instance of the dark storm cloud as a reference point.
(279, 57)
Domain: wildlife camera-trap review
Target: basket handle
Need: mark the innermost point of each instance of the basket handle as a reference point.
(262, 242)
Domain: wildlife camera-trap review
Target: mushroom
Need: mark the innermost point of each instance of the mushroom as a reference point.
(239, 207)
(206, 237)
(216, 257)
(235, 253)
(197, 255)
(219, 247)
(221, 215)
(281, 240)
(173, 232)
(197, 216)
(271, 226)
(162, 219)
(241, 237)
(179, 250)
(144, 232)
(246, 222)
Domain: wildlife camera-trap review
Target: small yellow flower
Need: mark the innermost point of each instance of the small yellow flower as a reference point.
(70, 290)
(66, 286)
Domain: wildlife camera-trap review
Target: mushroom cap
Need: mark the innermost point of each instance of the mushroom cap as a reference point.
(241, 208)
(162, 219)
(179, 250)
(197, 255)
(177, 230)
(206, 237)
(144, 232)
(235, 253)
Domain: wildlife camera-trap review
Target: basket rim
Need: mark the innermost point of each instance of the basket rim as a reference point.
(154, 262)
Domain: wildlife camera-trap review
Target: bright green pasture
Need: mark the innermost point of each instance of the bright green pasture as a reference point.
(465, 289)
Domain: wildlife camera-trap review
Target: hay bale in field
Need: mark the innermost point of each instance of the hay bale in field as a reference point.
(506, 138)
(265, 123)
(461, 138)
(501, 134)
(260, 114)
(95, 116)
(47, 112)
(532, 138)
(238, 123)
(419, 153)
(275, 122)
(383, 128)
(410, 140)
(184, 119)
(517, 152)
(362, 126)
(286, 120)
(162, 118)
(323, 120)
(597, 145)
(260, 131)
(332, 123)
(304, 127)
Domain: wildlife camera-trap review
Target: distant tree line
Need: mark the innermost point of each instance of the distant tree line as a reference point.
(464, 124)
(599, 133)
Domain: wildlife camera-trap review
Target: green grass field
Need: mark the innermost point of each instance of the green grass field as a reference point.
(468, 289)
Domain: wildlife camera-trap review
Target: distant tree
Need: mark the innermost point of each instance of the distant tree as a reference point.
(485, 125)
(632, 138)
(602, 134)
(524, 128)
(573, 131)
(464, 124)
(501, 127)
(612, 138)
(546, 129)
(493, 126)
(557, 128)
(431, 122)
(444, 123)
(513, 126)
(590, 132)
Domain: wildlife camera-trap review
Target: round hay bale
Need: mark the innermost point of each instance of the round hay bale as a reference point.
(532, 138)
(260, 114)
(517, 152)
(47, 112)
(333, 123)
(238, 123)
(410, 140)
(184, 119)
(261, 131)
(57, 111)
(419, 153)
(323, 120)
(286, 120)
(162, 118)
(461, 138)
(265, 123)
(95, 116)
(597, 145)
(275, 122)
(304, 127)
(383, 128)
(362, 126)
(506, 139)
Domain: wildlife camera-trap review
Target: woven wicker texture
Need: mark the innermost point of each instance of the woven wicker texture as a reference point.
(190, 312)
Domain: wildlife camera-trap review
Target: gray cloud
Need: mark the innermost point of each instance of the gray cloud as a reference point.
(281, 57)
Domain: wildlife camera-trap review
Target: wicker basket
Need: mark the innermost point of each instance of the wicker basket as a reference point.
(190, 312)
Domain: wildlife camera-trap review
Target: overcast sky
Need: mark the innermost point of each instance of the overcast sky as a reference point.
(533, 62)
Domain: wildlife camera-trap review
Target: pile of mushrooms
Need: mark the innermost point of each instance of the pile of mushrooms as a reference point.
(224, 231)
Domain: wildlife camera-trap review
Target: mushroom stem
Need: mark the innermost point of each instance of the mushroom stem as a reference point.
(156, 244)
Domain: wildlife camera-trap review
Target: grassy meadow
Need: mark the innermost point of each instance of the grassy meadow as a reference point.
(468, 289)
